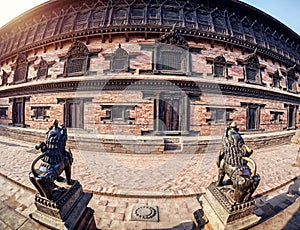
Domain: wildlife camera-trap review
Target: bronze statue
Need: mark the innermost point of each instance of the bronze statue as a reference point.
(232, 161)
(55, 159)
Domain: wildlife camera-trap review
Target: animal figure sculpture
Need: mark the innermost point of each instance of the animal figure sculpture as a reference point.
(233, 159)
(55, 159)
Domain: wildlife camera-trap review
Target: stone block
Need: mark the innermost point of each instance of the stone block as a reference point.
(223, 213)
(69, 211)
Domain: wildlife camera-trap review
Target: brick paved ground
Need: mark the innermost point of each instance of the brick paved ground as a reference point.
(145, 180)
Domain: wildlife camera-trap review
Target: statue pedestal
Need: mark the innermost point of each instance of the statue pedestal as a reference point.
(222, 212)
(68, 211)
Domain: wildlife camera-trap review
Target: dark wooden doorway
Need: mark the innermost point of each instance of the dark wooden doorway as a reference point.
(18, 112)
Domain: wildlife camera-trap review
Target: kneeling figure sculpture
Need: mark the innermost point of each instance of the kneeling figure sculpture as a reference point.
(55, 159)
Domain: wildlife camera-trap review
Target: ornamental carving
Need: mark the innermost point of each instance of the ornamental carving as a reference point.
(78, 49)
(21, 69)
(173, 38)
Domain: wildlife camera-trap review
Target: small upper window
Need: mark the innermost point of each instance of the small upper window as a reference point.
(21, 69)
(252, 70)
(119, 60)
(219, 67)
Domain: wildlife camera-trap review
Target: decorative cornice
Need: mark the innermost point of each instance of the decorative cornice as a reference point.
(152, 85)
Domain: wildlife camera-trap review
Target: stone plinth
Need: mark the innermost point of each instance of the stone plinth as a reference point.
(68, 211)
(296, 138)
(223, 213)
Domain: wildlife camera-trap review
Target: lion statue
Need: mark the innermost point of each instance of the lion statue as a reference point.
(55, 159)
(233, 161)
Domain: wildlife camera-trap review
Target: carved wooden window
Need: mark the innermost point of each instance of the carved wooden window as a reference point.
(120, 16)
(97, 17)
(40, 31)
(120, 60)
(40, 112)
(171, 55)
(51, 27)
(276, 117)
(30, 35)
(137, 15)
(219, 115)
(9, 45)
(117, 112)
(153, 16)
(42, 71)
(4, 78)
(276, 80)
(219, 22)
(259, 35)
(219, 67)
(16, 40)
(248, 31)
(82, 20)
(291, 81)
(270, 40)
(190, 19)
(77, 60)
(23, 36)
(252, 70)
(68, 22)
(236, 26)
(21, 69)
(171, 16)
(3, 112)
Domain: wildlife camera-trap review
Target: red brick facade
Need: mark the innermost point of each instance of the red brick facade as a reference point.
(126, 88)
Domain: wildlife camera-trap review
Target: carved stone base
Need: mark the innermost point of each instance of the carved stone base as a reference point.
(223, 213)
(68, 211)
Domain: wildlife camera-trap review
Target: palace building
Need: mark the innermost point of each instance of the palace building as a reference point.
(157, 74)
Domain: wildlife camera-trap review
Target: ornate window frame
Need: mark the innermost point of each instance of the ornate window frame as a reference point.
(117, 113)
(40, 112)
(253, 112)
(3, 112)
(252, 70)
(291, 80)
(176, 48)
(78, 52)
(21, 69)
(219, 115)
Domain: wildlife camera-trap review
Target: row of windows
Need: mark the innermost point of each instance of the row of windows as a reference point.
(169, 59)
(168, 113)
(181, 13)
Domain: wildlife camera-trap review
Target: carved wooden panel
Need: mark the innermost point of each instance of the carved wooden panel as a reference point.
(21, 69)
(120, 60)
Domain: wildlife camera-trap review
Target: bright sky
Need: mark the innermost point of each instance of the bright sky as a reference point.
(286, 11)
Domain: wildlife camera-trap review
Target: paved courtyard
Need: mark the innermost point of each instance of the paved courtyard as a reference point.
(169, 181)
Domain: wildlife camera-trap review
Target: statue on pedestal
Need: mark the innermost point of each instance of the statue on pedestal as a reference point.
(61, 202)
(233, 158)
(228, 204)
(55, 159)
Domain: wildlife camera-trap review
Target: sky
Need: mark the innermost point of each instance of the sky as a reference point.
(286, 11)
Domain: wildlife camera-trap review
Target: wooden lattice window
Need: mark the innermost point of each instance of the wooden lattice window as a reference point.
(21, 69)
(291, 80)
(119, 60)
(236, 27)
(82, 19)
(252, 70)
(68, 22)
(248, 31)
(276, 117)
(51, 27)
(219, 115)
(137, 15)
(219, 67)
(117, 112)
(171, 16)
(219, 22)
(120, 16)
(171, 55)
(40, 112)
(153, 16)
(77, 60)
(204, 20)
(276, 80)
(97, 17)
(42, 71)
